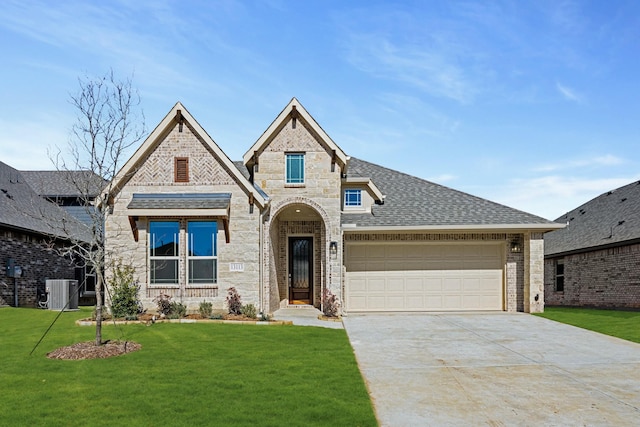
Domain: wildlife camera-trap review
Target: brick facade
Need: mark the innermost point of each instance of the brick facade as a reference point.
(39, 262)
(607, 278)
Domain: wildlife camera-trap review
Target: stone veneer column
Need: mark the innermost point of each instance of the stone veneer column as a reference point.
(533, 273)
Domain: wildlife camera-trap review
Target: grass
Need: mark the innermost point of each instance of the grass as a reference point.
(185, 374)
(621, 324)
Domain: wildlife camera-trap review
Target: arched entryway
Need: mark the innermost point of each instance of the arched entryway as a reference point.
(298, 252)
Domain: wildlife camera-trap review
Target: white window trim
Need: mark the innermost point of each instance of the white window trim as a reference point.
(286, 170)
(160, 258)
(213, 258)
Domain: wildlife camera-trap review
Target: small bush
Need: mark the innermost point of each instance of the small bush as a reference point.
(206, 308)
(234, 301)
(177, 310)
(163, 302)
(216, 316)
(330, 304)
(264, 317)
(249, 311)
(124, 292)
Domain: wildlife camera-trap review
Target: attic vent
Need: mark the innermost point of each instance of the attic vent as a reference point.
(609, 193)
(582, 211)
(181, 169)
(571, 219)
(6, 193)
(620, 222)
(623, 199)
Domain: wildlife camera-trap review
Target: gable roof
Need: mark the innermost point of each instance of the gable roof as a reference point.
(294, 110)
(611, 219)
(178, 114)
(64, 183)
(22, 209)
(413, 203)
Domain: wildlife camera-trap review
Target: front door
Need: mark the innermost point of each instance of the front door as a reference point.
(300, 270)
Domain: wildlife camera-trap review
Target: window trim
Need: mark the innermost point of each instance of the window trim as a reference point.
(559, 281)
(175, 258)
(298, 181)
(346, 203)
(213, 258)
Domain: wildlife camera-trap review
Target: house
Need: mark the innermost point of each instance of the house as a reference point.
(595, 260)
(74, 191)
(32, 230)
(298, 217)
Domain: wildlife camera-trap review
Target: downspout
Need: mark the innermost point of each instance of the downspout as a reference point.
(260, 263)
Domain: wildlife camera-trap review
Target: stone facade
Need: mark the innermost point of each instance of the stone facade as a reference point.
(320, 193)
(39, 262)
(607, 278)
(207, 174)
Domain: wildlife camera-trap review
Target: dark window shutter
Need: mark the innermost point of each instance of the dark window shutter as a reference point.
(182, 169)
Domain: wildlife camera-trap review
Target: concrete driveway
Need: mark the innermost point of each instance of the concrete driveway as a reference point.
(496, 369)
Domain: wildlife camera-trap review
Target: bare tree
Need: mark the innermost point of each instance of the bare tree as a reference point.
(109, 122)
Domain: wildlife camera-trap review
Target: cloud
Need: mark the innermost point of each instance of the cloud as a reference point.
(552, 196)
(598, 161)
(569, 94)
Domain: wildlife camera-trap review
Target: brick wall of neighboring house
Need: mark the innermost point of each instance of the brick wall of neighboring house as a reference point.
(608, 278)
(38, 261)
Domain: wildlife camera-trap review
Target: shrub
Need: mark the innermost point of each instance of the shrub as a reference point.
(124, 292)
(234, 301)
(330, 303)
(249, 310)
(206, 308)
(177, 310)
(163, 302)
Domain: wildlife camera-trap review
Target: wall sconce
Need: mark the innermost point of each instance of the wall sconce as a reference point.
(333, 250)
(516, 246)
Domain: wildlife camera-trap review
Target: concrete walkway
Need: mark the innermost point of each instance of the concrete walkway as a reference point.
(305, 316)
(494, 369)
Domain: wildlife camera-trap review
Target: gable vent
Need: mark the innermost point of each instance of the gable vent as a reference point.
(181, 169)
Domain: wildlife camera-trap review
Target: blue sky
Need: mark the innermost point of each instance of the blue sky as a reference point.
(531, 104)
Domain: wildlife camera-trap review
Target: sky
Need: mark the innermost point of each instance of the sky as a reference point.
(532, 104)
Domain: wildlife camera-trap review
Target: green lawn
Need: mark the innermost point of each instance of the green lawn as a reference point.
(185, 374)
(621, 324)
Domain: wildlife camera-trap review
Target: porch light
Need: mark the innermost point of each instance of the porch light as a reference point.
(516, 246)
(333, 249)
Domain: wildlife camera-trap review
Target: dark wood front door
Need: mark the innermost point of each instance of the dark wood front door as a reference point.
(300, 270)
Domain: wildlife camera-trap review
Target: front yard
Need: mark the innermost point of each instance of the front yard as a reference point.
(185, 374)
(621, 324)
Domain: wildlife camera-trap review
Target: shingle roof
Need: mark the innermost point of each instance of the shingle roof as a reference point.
(412, 201)
(180, 201)
(21, 208)
(612, 218)
(65, 183)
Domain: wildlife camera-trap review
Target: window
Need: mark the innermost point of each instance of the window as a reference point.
(295, 169)
(163, 252)
(202, 253)
(181, 169)
(559, 275)
(352, 198)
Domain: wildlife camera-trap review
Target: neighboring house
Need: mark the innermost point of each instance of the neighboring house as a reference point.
(75, 192)
(595, 260)
(31, 231)
(297, 216)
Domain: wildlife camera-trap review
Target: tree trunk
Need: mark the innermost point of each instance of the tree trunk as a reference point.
(99, 304)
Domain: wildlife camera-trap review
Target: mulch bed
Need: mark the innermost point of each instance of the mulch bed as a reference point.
(89, 350)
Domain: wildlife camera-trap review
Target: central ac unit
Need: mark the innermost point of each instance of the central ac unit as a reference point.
(63, 294)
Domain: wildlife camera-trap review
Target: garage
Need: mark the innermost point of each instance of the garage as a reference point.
(424, 276)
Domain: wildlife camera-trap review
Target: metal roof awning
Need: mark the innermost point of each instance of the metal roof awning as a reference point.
(210, 205)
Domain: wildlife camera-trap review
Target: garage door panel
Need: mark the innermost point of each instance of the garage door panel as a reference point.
(424, 277)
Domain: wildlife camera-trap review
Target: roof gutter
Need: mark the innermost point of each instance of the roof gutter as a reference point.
(353, 228)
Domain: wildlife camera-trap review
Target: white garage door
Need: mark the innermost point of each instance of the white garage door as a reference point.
(424, 277)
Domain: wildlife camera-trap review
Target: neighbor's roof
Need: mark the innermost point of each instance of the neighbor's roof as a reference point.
(22, 209)
(611, 219)
(65, 183)
(415, 202)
